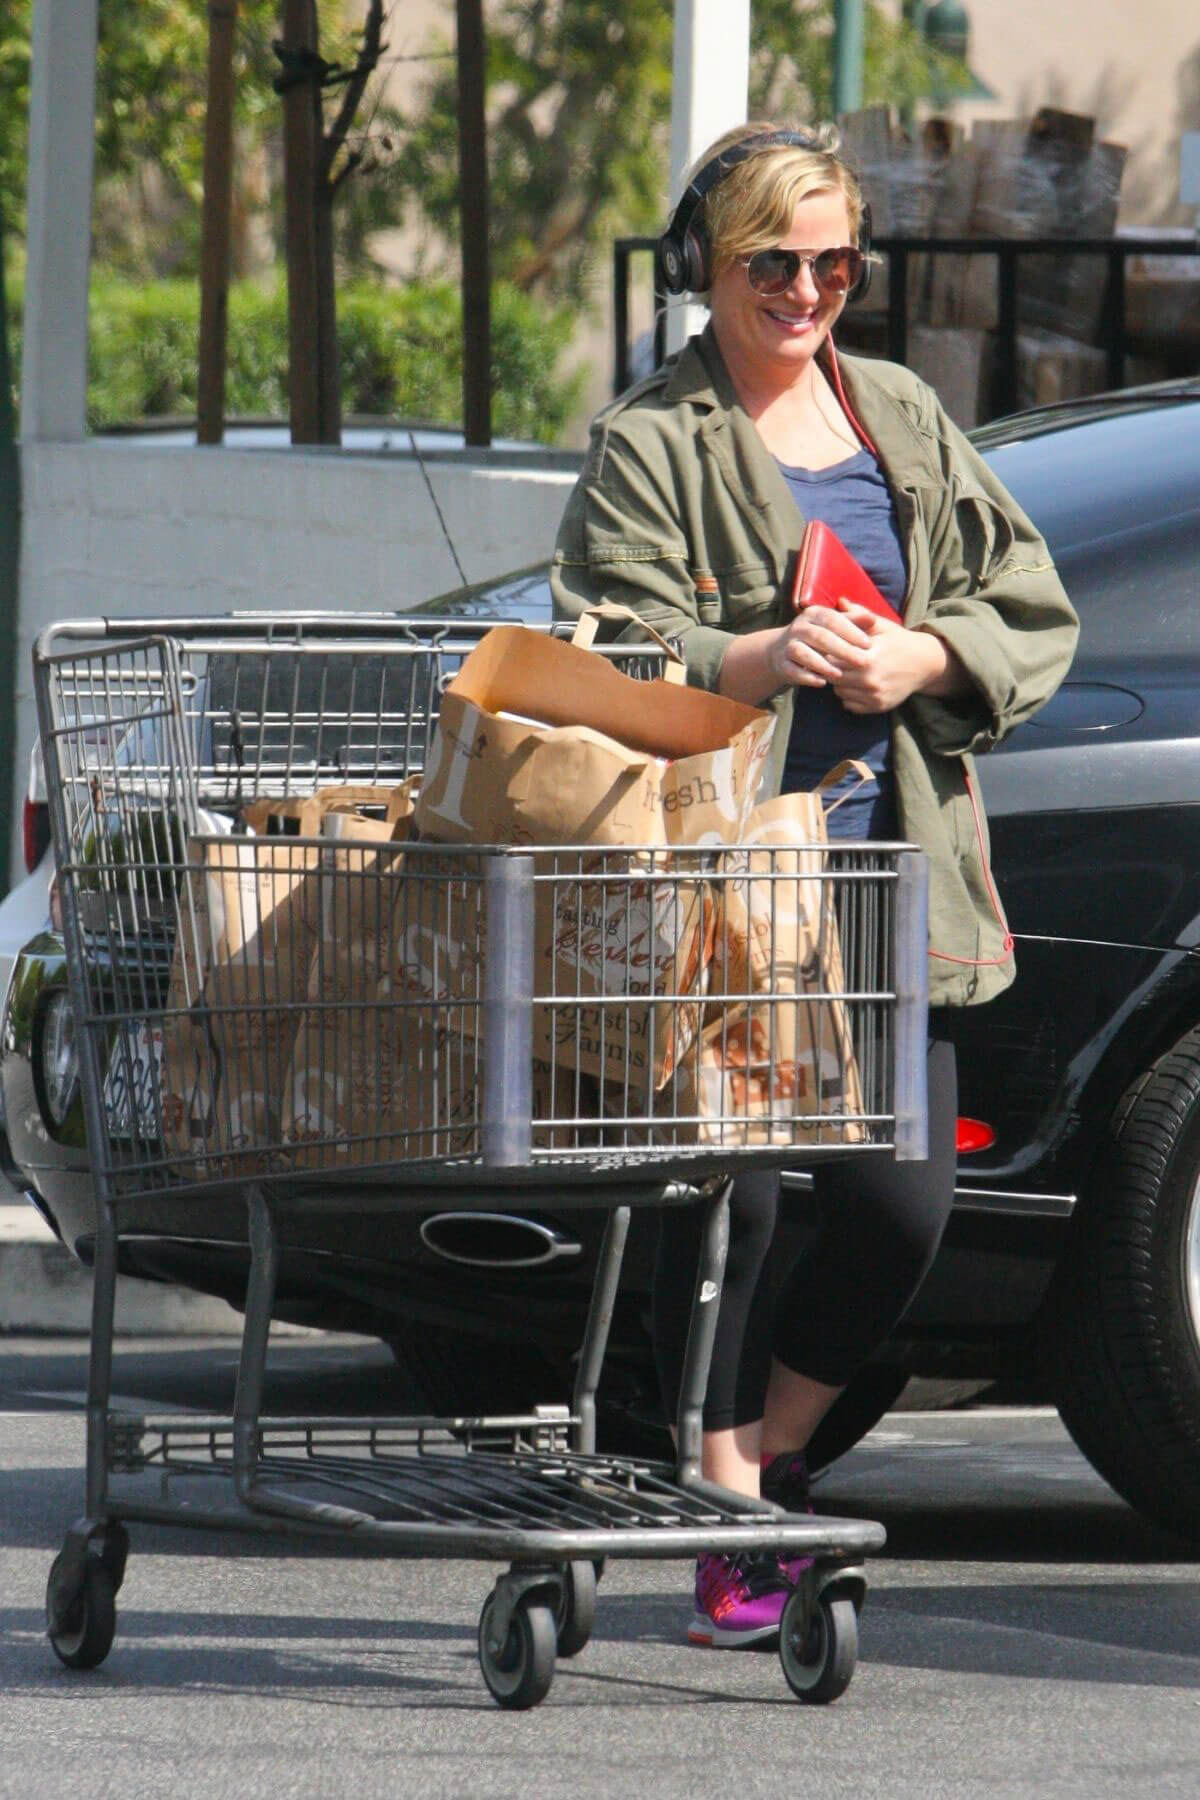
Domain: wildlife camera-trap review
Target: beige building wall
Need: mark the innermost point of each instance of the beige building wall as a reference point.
(1135, 68)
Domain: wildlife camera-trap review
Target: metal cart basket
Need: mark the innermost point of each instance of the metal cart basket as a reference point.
(288, 1006)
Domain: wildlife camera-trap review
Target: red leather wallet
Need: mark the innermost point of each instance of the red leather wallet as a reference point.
(827, 575)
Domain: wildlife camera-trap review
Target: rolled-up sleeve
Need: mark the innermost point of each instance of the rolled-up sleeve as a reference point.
(996, 600)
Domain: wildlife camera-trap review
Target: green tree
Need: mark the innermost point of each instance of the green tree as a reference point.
(580, 94)
(580, 102)
(791, 72)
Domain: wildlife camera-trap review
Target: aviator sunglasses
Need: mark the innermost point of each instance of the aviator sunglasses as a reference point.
(834, 271)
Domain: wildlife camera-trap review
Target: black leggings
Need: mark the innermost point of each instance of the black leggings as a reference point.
(881, 1224)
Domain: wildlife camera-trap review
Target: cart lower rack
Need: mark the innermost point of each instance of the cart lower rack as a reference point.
(288, 1008)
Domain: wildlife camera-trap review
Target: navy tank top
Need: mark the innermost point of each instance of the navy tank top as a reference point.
(853, 499)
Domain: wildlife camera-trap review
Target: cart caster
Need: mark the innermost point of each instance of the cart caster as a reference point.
(85, 1578)
(82, 1622)
(518, 1672)
(818, 1644)
(575, 1614)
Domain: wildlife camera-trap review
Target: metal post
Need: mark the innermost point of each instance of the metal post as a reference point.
(214, 237)
(1005, 389)
(621, 314)
(301, 90)
(706, 1301)
(847, 56)
(507, 1135)
(595, 1338)
(897, 303)
(710, 80)
(473, 211)
(58, 234)
(1115, 317)
(912, 1008)
(256, 1332)
(10, 557)
(100, 1353)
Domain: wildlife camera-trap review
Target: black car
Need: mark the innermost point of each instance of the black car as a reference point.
(1072, 1260)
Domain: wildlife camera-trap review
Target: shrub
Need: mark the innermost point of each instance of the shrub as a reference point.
(400, 351)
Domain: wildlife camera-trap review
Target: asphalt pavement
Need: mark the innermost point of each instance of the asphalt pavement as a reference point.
(1025, 1633)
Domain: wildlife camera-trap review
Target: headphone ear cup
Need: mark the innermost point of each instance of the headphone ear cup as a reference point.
(683, 262)
(672, 264)
(860, 287)
(695, 252)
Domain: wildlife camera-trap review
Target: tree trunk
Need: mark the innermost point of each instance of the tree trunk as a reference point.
(214, 248)
(329, 394)
(301, 144)
(473, 211)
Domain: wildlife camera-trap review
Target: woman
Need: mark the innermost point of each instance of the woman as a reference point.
(690, 507)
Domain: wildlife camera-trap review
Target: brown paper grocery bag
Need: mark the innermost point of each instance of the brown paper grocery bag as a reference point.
(377, 1075)
(620, 947)
(387, 1066)
(775, 1064)
(249, 918)
(620, 954)
(543, 742)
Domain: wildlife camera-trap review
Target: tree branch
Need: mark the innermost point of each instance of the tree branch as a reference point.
(368, 58)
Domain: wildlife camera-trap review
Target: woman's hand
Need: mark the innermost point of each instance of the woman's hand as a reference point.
(871, 663)
(819, 647)
(896, 664)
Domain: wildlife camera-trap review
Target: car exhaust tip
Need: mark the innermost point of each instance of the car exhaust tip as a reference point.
(486, 1240)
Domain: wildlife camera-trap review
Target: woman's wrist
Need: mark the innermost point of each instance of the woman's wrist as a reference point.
(748, 671)
(946, 676)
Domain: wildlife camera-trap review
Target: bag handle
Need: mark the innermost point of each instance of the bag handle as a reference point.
(850, 765)
(584, 635)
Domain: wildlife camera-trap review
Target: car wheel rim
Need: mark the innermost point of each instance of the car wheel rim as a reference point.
(1191, 1262)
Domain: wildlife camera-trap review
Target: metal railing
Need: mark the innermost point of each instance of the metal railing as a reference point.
(1008, 252)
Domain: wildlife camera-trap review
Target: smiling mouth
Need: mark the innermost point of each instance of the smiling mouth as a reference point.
(791, 321)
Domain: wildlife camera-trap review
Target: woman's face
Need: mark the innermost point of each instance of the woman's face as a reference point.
(779, 334)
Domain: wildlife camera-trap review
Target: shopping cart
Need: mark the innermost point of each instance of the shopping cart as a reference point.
(427, 1021)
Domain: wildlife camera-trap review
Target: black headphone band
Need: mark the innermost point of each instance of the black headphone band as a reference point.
(715, 171)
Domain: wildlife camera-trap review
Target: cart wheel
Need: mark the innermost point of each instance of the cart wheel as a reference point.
(575, 1614)
(518, 1672)
(85, 1637)
(819, 1652)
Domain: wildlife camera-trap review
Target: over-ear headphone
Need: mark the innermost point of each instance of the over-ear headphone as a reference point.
(684, 248)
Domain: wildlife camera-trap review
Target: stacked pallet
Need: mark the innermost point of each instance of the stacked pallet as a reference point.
(1049, 176)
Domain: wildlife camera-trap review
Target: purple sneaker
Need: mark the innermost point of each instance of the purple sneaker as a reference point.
(739, 1601)
(784, 1481)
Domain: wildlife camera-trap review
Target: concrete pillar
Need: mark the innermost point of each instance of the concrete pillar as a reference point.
(62, 115)
(711, 78)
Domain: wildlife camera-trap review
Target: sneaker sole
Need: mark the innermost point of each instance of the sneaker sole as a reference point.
(708, 1636)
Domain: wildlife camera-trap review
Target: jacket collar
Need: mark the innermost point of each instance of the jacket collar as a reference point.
(699, 375)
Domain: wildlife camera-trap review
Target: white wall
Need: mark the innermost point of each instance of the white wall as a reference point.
(112, 529)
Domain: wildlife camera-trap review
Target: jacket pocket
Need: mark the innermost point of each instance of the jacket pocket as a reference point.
(986, 532)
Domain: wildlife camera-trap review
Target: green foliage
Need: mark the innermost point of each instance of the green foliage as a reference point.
(791, 72)
(14, 111)
(579, 100)
(401, 354)
(151, 78)
(580, 96)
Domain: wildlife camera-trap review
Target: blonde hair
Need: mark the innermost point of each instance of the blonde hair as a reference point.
(752, 207)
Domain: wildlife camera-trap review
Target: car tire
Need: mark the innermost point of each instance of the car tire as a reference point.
(1125, 1310)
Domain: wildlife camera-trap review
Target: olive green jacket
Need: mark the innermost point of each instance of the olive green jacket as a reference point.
(682, 513)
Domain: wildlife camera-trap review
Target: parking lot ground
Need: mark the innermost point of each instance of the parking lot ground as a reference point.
(1024, 1633)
